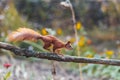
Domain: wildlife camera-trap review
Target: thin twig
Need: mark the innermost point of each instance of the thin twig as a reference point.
(52, 56)
(53, 70)
(76, 35)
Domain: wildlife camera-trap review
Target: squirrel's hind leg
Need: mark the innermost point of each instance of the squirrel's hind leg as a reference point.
(46, 46)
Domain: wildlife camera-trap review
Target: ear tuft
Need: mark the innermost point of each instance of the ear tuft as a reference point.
(68, 42)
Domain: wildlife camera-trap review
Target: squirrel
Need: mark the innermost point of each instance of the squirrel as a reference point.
(31, 35)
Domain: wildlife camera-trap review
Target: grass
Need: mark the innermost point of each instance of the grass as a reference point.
(105, 34)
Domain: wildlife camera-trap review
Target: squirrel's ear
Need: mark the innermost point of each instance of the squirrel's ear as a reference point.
(68, 42)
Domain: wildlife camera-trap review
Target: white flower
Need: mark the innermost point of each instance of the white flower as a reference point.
(65, 4)
(30, 48)
(50, 31)
(2, 17)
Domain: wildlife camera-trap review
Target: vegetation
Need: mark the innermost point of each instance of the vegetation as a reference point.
(98, 36)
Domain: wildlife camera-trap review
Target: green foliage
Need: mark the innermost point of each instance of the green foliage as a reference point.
(12, 18)
(13, 21)
(103, 71)
(37, 46)
(8, 74)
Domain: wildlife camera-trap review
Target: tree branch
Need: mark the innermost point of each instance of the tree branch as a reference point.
(53, 56)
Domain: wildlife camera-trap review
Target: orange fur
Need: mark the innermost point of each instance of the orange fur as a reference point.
(23, 34)
(29, 34)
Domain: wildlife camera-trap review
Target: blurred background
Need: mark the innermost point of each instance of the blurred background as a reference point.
(98, 27)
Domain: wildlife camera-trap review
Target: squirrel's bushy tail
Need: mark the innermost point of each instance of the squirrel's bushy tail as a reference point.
(23, 34)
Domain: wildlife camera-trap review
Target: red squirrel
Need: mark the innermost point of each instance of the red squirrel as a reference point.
(31, 35)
